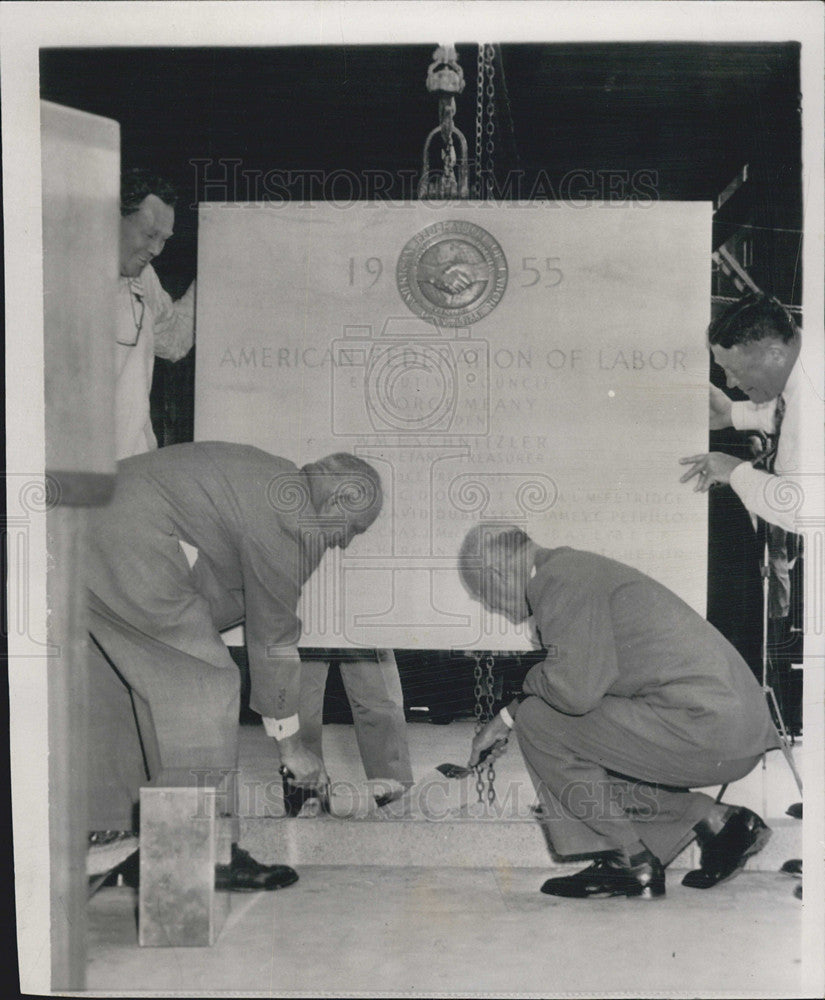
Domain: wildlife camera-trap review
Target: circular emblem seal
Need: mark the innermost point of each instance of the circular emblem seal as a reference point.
(452, 273)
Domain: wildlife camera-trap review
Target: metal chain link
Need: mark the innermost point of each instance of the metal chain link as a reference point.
(491, 771)
(490, 127)
(478, 692)
(477, 188)
(484, 692)
(449, 185)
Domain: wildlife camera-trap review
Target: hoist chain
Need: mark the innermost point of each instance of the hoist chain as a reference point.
(477, 187)
(483, 690)
(478, 692)
(449, 185)
(491, 771)
(490, 126)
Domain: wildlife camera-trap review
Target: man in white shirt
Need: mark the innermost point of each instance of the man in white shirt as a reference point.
(757, 344)
(149, 323)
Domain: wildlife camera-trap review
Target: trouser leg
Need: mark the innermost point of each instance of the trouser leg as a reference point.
(311, 703)
(187, 709)
(377, 701)
(115, 757)
(584, 767)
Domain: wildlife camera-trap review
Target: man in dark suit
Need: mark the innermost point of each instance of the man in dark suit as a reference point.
(199, 537)
(637, 701)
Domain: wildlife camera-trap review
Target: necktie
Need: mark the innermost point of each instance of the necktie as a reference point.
(767, 459)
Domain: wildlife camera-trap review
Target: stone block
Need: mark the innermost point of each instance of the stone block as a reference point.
(182, 839)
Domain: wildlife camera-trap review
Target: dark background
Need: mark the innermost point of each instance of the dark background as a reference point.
(228, 124)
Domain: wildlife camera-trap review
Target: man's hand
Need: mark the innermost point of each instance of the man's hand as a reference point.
(496, 730)
(720, 412)
(306, 766)
(710, 469)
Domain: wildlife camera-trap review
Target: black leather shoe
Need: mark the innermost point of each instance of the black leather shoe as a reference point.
(723, 856)
(644, 879)
(792, 867)
(245, 874)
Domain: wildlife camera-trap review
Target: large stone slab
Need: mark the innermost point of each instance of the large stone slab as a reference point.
(542, 364)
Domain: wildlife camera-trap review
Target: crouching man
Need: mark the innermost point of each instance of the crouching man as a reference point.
(637, 701)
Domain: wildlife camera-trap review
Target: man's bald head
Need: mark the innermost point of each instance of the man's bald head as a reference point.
(343, 486)
(494, 563)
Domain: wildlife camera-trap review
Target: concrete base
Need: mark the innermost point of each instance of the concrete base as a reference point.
(440, 821)
(453, 843)
(461, 932)
(448, 901)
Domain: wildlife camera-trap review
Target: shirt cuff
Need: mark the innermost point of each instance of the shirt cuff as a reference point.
(739, 416)
(745, 481)
(281, 729)
(506, 718)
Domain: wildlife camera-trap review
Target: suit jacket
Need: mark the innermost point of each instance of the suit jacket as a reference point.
(612, 632)
(242, 509)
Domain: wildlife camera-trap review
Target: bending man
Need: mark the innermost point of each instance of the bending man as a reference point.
(638, 700)
(260, 527)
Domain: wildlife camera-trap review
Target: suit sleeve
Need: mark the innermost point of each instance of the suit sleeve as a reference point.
(581, 662)
(273, 628)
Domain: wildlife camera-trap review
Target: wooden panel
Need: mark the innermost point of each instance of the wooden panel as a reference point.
(80, 174)
(562, 403)
(68, 791)
(81, 198)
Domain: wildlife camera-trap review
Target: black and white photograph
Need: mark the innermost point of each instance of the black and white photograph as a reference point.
(415, 526)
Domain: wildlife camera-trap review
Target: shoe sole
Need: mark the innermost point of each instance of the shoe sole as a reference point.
(645, 895)
(102, 860)
(265, 888)
(762, 837)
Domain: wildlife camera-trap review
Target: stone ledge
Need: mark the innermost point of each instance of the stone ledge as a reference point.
(462, 843)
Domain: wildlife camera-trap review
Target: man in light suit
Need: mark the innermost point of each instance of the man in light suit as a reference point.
(259, 526)
(637, 701)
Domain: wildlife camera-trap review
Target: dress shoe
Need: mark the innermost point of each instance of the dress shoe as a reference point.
(609, 876)
(795, 811)
(392, 791)
(798, 891)
(792, 867)
(108, 849)
(723, 856)
(245, 874)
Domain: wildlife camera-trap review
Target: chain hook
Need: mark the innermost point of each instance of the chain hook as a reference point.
(446, 79)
